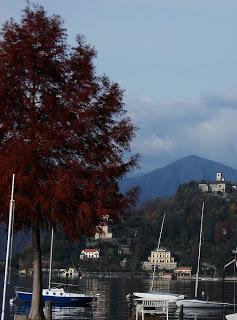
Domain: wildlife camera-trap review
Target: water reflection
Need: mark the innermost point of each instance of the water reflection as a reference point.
(61, 313)
(112, 303)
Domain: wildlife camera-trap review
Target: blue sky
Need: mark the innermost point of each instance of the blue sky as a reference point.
(177, 61)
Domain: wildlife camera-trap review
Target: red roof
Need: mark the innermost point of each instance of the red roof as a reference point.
(90, 250)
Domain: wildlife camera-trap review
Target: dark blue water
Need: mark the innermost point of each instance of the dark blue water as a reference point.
(112, 303)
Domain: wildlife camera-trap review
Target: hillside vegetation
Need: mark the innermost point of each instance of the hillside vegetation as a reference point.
(182, 225)
(139, 231)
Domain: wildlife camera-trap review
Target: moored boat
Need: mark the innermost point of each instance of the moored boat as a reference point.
(171, 297)
(232, 316)
(57, 296)
(152, 294)
(196, 303)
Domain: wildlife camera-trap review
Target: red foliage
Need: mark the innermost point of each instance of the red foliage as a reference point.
(63, 129)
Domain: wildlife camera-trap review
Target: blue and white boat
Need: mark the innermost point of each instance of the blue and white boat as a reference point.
(58, 296)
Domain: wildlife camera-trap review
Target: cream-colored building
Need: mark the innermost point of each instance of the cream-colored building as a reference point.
(162, 259)
(102, 232)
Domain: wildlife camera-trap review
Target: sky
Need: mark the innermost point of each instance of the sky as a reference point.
(176, 61)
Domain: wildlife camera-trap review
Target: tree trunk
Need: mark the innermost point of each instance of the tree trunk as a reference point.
(36, 310)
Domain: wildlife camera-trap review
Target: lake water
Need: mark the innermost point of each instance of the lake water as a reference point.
(112, 303)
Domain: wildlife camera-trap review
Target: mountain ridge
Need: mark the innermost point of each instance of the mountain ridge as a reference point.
(163, 182)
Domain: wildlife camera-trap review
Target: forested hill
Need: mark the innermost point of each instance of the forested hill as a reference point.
(182, 225)
(165, 181)
(139, 232)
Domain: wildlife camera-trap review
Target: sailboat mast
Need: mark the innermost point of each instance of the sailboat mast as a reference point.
(158, 247)
(50, 259)
(8, 248)
(199, 253)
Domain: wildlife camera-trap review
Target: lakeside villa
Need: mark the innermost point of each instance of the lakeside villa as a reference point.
(162, 259)
(167, 266)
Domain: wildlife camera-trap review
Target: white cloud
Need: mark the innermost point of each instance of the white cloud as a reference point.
(155, 145)
(171, 129)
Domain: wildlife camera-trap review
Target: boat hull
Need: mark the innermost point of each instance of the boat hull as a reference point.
(171, 297)
(193, 303)
(57, 300)
(232, 316)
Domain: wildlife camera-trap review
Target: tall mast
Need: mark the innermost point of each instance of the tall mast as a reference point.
(199, 253)
(157, 249)
(50, 259)
(8, 248)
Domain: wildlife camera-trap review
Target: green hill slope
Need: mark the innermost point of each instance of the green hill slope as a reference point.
(182, 225)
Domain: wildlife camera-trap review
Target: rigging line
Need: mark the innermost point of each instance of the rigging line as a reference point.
(234, 281)
(8, 251)
(51, 258)
(199, 253)
(11, 242)
(158, 247)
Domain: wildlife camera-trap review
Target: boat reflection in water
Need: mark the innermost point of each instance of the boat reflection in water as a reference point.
(112, 304)
(59, 312)
(199, 313)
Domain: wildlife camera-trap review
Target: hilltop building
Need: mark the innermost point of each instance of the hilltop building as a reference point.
(219, 185)
(163, 260)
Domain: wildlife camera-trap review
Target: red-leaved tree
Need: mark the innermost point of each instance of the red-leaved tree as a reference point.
(63, 132)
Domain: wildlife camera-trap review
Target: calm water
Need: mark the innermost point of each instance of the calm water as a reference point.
(112, 303)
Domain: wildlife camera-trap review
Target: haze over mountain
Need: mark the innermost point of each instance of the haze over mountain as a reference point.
(164, 182)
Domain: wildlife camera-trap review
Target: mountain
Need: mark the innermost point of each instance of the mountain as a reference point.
(164, 182)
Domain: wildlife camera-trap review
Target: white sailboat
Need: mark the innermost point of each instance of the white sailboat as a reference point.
(196, 303)
(57, 295)
(232, 316)
(159, 295)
